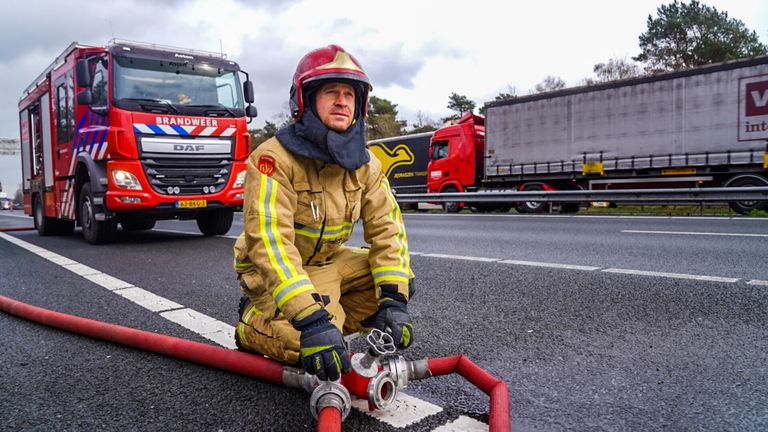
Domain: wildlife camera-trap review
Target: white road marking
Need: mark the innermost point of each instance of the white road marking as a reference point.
(758, 282)
(207, 327)
(551, 265)
(463, 424)
(458, 257)
(695, 233)
(81, 269)
(672, 275)
(107, 281)
(404, 411)
(148, 300)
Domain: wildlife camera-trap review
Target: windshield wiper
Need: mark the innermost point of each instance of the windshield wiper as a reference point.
(155, 101)
(221, 107)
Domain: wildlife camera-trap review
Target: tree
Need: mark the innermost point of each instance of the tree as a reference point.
(459, 103)
(687, 35)
(502, 96)
(18, 197)
(424, 124)
(269, 130)
(550, 83)
(614, 69)
(382, 119)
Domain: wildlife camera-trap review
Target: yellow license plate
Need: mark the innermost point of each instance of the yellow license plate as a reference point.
(191, 203)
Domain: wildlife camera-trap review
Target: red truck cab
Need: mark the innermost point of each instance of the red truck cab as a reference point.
(131, 133)
(456, 156)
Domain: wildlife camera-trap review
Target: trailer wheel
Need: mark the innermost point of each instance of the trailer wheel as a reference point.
(94, 231)
(533, 206)
(217, 222)
(451, 207)
(744, 207)
(138, 224)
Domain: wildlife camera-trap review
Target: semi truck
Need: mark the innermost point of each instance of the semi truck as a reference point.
(702, 127)
(130, 133)
(404, 161)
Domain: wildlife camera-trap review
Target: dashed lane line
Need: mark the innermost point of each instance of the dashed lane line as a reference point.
(700, 233)
(406, 410)
(672, 275)
(551, 265)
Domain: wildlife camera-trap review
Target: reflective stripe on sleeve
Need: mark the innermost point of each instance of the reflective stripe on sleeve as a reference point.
(397, 219)
(273, 243)
(291, 288)
(390, 274)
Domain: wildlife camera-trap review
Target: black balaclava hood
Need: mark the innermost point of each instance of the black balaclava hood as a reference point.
(309, 137)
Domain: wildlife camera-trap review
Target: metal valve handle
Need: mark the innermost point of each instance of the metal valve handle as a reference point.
(381, 343)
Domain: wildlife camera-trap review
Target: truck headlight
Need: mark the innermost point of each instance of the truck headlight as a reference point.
(240, 179)
(125, 180)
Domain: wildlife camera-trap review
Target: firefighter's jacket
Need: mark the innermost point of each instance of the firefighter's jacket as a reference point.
(299, 211)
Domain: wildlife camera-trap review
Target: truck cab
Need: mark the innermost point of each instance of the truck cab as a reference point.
(456, 156)
(131, 133)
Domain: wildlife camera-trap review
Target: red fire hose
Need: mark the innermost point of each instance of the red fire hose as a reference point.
(17, 229)
(495, 388)
(329, 417)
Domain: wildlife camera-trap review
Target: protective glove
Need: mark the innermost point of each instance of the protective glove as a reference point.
(323, 350)
(392, 317)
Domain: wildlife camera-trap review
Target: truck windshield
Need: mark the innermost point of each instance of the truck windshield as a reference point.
(180, 85)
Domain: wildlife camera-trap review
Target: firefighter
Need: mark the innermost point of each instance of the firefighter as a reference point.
(305, 189)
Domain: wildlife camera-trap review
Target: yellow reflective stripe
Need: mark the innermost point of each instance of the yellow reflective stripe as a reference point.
(291, 288)
(330, 232)
(268, 229)
(389, 273)
(238, 265)
(241, 332)
(397, 218)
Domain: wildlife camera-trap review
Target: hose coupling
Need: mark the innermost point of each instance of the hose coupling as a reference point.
(330, 394)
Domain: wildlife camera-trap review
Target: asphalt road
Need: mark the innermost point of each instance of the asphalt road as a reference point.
(595, 324)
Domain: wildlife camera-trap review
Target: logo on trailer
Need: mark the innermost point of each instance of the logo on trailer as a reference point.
(753, 108)
(391, 159)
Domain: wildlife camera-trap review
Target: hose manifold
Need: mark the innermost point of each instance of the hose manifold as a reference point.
(330, 394)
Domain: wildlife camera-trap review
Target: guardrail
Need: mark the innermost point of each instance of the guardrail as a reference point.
(679, 195)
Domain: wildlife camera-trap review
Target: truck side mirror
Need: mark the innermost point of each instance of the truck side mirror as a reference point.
(85, 97)
(248, 92)
(250, 111)
(82, 74)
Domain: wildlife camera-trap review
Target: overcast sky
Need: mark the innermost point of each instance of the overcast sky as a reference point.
(415, 52)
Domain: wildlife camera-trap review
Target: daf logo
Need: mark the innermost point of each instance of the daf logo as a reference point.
(183, 56)
(188, 148)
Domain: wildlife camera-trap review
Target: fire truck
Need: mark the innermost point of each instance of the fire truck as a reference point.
(131, 133)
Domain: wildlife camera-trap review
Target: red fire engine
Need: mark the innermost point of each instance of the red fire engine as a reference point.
(131, 133)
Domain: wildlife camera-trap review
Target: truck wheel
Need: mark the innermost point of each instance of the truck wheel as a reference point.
(217, 222)
(451, 207)
(533, 206)
(44, 225)
(137, 224)
(94, 231)
(744, 207)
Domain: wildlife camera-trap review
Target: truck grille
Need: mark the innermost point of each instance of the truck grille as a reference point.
(190, 176)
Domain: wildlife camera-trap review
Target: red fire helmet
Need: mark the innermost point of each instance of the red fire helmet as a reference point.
(329, 63)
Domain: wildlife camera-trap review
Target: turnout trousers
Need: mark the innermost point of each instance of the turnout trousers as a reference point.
(346, 288)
